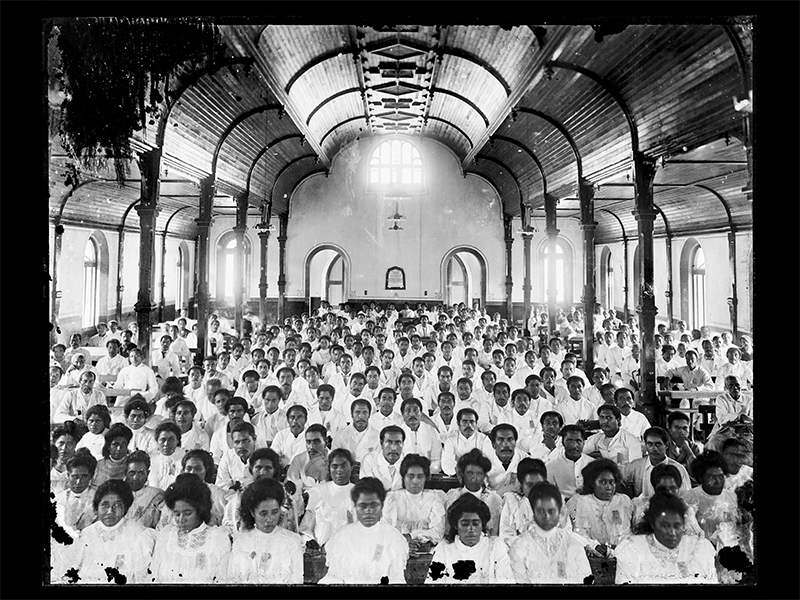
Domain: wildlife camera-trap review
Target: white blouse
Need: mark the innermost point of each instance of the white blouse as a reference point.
(199, 556)
(490, 563)
(358, 554)
(273, 558)
(420, 515)
(602, 522)
(554, 556)
(643, 559)
(329, 509)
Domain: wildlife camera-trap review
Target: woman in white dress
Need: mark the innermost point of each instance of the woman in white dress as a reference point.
(665, 555)
(598, 512)
(664, 478)
(262, 551)
(716, 508)
(415, 512)
(468, 555)
(114, 549)
(190, 550)
(98, 420)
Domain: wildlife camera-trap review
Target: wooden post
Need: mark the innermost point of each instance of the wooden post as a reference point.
(733, 301)
(263, 235)
(626, 286)
(284, 221)
(149, 167)
(203, 296)
(238, 276)
(644, 174)
(588, 225)
(56, 293)
(163, 302)
(527, 234)
(509, 239)
(550, 202)
(668, 293)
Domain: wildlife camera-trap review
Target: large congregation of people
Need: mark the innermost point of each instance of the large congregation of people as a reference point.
(371, 438)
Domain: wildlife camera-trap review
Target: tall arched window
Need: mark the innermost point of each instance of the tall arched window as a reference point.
(609, 267)
(563, 270)
(90, 283)
(395, 162)
(226, 271)
(699, 288)
(181, 275)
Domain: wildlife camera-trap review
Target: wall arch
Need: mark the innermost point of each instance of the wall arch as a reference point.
(569, 268)
(307, 270)
(606, 278)
(220, 270)
(103, 261)
(482, 262)
(688, 252)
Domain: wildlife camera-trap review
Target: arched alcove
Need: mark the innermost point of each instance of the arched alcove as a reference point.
(328, 271)
(468, 277)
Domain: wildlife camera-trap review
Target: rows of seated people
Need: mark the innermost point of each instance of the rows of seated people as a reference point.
(372, 439)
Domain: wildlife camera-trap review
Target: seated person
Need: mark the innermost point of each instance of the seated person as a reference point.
(612, 441)
(201, 463)
(109, 366)
(74, 504)
(192, 435)
(290, 442)
(472, 469)
(75, 402)
(421, 438)
(138, 376)
(166, 463)
(665, 477)
(680, 447)
(547, 553)
(505, 458)
(732, 404)
(632, 421)
(467, 540)
(324, 413)
(738, 455)
(694, 377)
(598, 512)
(599, 379)
(664, 553)
(311, 467)
(115, 448)
(270, 418)
(329, 504)
(386, 413)
(574, 407)
(636, 473)
(546, 441)
(737, 367)
(465, 439)
(232, 473)
(222, 439)
(148, 501)
(523, 417)
(414, 511)
(358, 437)
(369, 550)
(98, 420)
(383, 463)
(564, 470)
(445, 420)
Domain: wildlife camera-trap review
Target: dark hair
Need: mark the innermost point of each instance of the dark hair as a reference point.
(269, 454)
(734, 443)
(360, 401)
(552, 413)
(325, 387)
(677, 415)
(388, 389)
(203, 456)
(83, 458)
(368, 485)
(447, 395)
(244, 426)
(272, 389)
(500, 385)
(532, 377)
(189, 488)
(189, 404)
(392, 429)
(573, 378)
(256, 493)
(415, 460)
(466, 503)
(343, 453)
(225, 393)
(474, 457)
(464, 411)
(138, 456)
(706, 460)
(665, 470)
(572, 427)
(234, 400)
(521, 392)
(593, 470)
(503, 427)
(655, 430)
(662, 502)
(120, 430)
(101, 410)
(113, 486)
(172, 384)
(318, 428)
(544, 490)
(297, 407)
(530, 465)
(415, 401)
(137, 402)
(67, 428)
(168, 426)
(611, 408)
(250, 373)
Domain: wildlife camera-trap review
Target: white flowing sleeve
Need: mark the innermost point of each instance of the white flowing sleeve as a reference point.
(704, 556)
(502, 572)
(518, 556)
(508, 530)
(449, 456)
(578, 567)
(436, 521)
(628, 561)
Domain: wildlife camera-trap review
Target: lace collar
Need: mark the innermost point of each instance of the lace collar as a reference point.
(193, 539)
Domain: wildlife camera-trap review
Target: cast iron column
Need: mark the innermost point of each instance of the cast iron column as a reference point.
(149, 167)
(625, 288)
(203, 230)
(550, 202)
(509, 239)
(162, 301)
(668, 293)
(284, 221)
(644, 173)
(588, 225)
(263, 235)
(238, 272)
(527, 234)
(733, 301)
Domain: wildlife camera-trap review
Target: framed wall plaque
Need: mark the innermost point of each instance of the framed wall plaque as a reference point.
(395, 279)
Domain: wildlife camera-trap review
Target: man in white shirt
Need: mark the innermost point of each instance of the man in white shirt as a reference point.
(137, 376)
(358, 437)
(165, 360)
(75, 402)
(445, 420)
(666, 361)
(466, 399)
(693, 376)
(222, 438)
(636, 473)
(324, 414)
(505, 458)
(340, 379)
(290, 442)
(632, 421)
(420, 438)
(431, 396)
(732, 404)
(612, 442)
(462, 441)
(108, 367)
(616, 354)
(233, 472)
(270, 418)
(343, 401)
(546, 441)
(310, 468)
(102, 337)
(386, 414)
(564, 470)
(384, 462)
(575, 408)
(210, 368)
(192, 435)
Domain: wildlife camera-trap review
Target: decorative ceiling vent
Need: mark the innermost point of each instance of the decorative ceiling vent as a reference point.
(389, 103)
(397, 74)
(397, 89)
(398, 52)
(396, 116)
(397, 28)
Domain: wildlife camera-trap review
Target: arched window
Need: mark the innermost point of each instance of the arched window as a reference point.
(90, 283)
(563, 270)
(609, 268)
(395, 162)
(699, 287)
(181, 277)
(226, 267)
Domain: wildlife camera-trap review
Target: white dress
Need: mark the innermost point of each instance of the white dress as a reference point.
(126, 547)
(554, 556)
(273, 558)
(600, 521)
(643, 559)
(489, 557)
(200, 556)
(329, 509)
(420, 515)
(517, 516)
(358, 554)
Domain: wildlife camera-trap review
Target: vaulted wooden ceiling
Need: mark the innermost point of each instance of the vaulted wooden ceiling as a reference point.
(528, 108)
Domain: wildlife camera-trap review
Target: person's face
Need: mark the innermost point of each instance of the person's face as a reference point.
(136, 419)
(636, 351)
(112, 349)
(55, 376)
(668, 485)
(713, 481)
(546, 513)
(734, 356)
(235, 414)
(210, 365)
(297, 422)
(285, 379)
(186, 516)
(167, 442)
(86, 382)
(325, 400)
(530, 480)
(551, 426)
(605, 486)
(110, 509)
(411, 414)
(622, 339)
(136, 475)
(473, 477)
(567, 370)
(497, 359)
(609, 338)
(599, 378)
(118, 448)
(548, 378)
(609, 423)
(312, 377)
(428, 362)
(414, 479)
(262, 369)
(273, 355)
(224, 361)
(488, 379)
(446, 406)
(509, 366)
(464, 391)
(667, 353)
(315, 444)
(392, 447)
(679, 430)
(251, 383)
(467, 424)
(733, 387)
(691, 360)
(504, 444)
(369, 509)
(263, 468)
(75, 341)
(573, 445)
(195, 378)
(469, 528)
(624, 402)
(79, 479)
(340, 470)
(165, 342)
(266, 515)
(575, 389)
(346, 364)
(668, 529)
(196, 466)
(708, 348)
(183, 418)
(406, 386)
(95, 424)
(243, 444)
(736, 456)
(360, 416)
